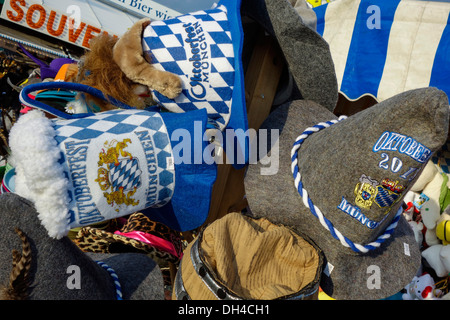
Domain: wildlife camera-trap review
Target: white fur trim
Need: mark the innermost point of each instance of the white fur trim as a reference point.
(39, 176)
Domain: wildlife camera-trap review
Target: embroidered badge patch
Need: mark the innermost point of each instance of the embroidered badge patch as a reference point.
(356, 213)
(392, 141)
(365, 192)
(385, 198)
(388, 193)
(118, 177)
(369, 191)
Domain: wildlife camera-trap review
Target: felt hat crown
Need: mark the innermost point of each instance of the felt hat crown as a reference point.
(342, 180)
(51, 269)
(306, 53)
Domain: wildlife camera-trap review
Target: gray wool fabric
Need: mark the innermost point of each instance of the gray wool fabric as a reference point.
(307, 14)
(338, 165)
(139, 276)
(307, 54)
(55, 263)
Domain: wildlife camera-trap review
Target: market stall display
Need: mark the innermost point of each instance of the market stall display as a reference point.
(207, 155)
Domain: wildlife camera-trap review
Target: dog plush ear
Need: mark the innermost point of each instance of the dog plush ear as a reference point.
(129, 56)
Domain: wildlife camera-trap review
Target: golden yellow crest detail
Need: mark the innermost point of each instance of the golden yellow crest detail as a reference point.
(365, 192)
(115, 149)
(119, 197)
(118, 174)
(102, 178)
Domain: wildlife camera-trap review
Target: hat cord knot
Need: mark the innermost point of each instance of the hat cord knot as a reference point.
(316, 211)
(115, 278)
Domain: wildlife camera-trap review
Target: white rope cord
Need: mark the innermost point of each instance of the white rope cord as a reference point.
(114, 277)
(316, 211)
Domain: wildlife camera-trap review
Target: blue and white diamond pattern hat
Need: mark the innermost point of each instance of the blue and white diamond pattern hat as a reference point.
(198, 47)
(204, 49)
(85, 170)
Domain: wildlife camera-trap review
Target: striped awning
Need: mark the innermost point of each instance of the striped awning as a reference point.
(39, 48)
(384, 47)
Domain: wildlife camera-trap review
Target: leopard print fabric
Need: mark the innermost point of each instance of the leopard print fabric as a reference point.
(139, 221)
(90, 239)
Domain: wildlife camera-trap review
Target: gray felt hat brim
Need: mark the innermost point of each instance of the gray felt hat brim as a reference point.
(307, 54)
(330, 162)
(53, 262)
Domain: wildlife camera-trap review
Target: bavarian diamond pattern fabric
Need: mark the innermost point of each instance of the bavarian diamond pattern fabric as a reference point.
(198, 47)
(385, 198)
(126, 175)
(117, 162)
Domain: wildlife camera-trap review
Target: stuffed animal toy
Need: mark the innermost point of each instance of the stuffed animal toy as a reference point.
(118, 68)
(421, 288)
(438, 255)
(427, 199)
(417, 228)
(443, 228)
(411, 212)
(430, 196)
(48, 71)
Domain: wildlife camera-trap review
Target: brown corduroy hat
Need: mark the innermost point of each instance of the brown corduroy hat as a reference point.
(238, 257)
(341, 182)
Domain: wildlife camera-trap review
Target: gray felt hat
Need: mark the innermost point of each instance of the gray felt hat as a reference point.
(307, 54)
(351, 175)
(49, 269)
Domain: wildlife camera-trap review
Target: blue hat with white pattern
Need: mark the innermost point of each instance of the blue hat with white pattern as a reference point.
(96, 167)
(204, 49)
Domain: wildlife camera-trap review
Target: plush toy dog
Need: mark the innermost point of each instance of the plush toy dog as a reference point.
(119, 68)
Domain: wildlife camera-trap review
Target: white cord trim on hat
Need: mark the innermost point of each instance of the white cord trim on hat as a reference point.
(316, 211)
(115, 278)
